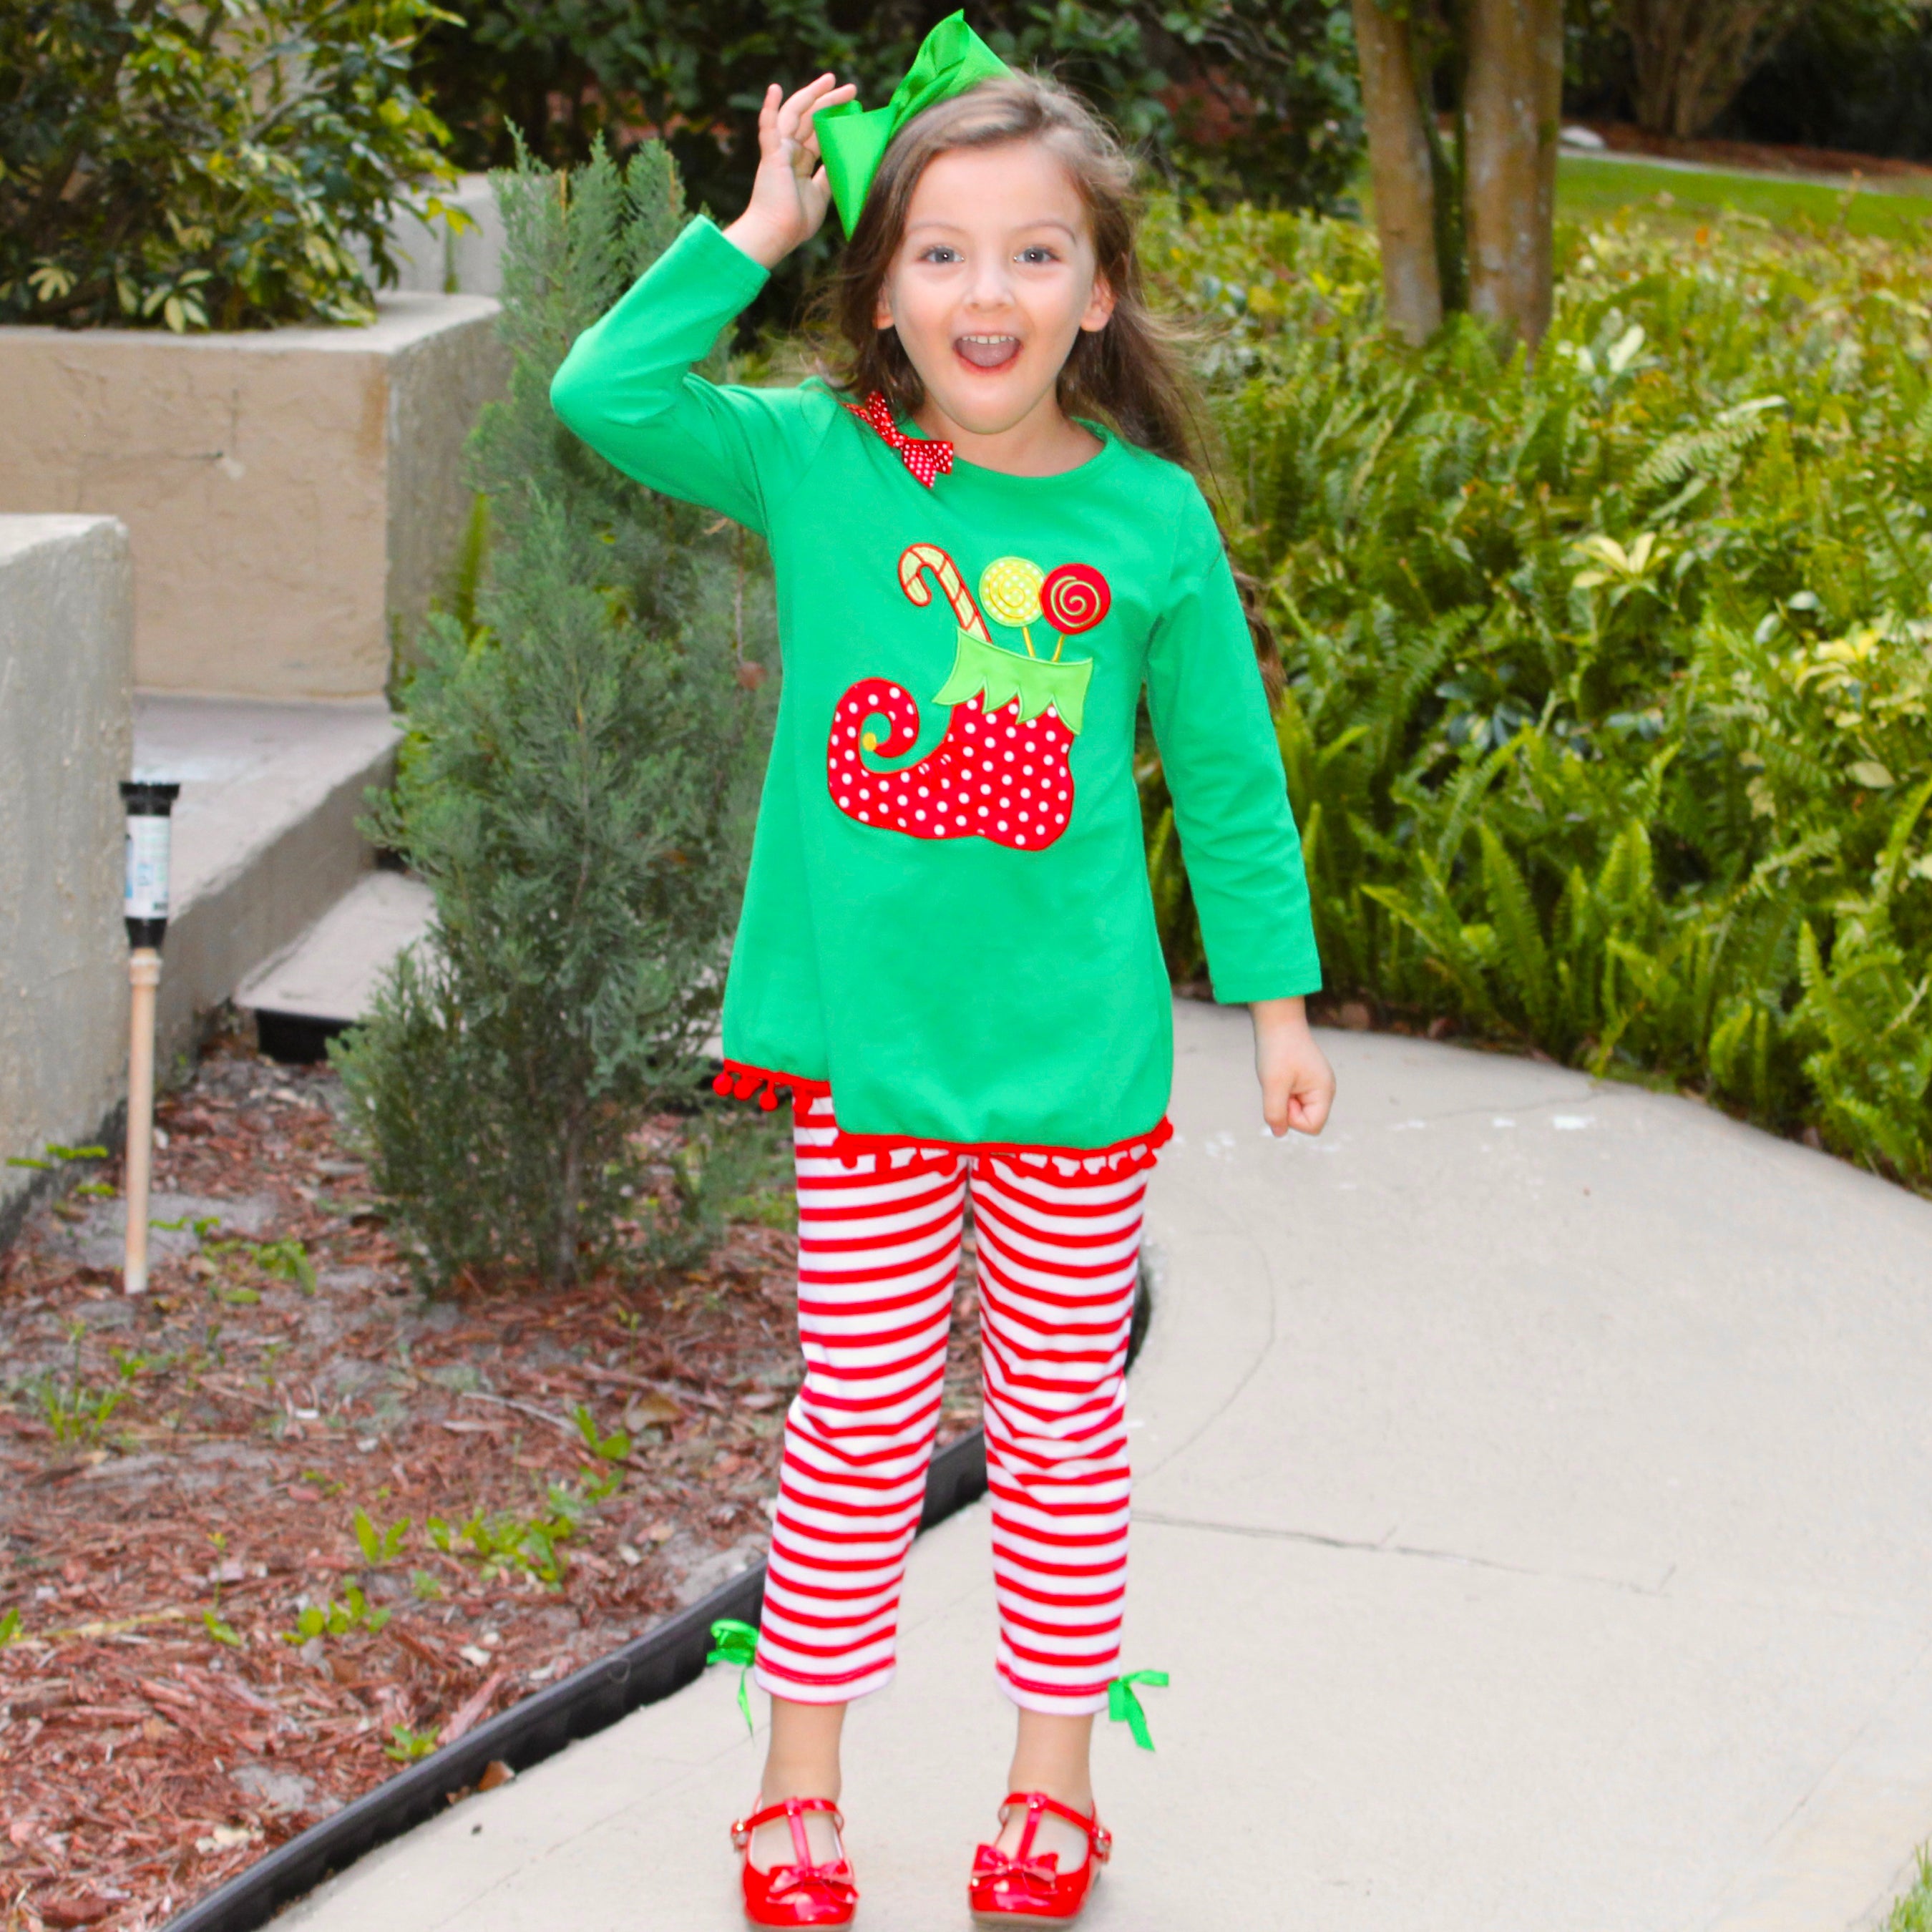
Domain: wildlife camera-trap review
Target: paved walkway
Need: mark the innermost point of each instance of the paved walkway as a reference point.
(1534, 1512)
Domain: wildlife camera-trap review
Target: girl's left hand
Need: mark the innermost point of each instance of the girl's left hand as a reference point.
(1298, 1083)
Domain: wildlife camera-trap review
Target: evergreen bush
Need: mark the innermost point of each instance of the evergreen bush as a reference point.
(576, 788)
(187, 167)
(1607, 677)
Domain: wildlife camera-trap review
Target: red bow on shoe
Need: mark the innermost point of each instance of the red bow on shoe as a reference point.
(926, 459)
(1039, 1874)
(823, 1888)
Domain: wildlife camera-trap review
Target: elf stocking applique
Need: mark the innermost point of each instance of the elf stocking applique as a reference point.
(1001, 771)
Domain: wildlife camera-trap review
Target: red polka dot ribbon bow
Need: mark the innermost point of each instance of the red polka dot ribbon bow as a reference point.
(925, 459)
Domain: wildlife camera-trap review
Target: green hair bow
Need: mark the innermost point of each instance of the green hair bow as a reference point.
(852, 141)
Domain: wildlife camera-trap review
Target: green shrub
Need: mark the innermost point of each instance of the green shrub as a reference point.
(1853, 73)
(1248, 94)
(191, 166)
(1606, 678)
(577, 789)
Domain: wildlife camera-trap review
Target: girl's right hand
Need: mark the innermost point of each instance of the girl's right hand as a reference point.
(790, 193)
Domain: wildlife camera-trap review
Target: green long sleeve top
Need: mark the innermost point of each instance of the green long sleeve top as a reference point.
(947, 918)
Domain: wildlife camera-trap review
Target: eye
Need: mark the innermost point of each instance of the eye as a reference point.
(1037, 254)
(940, 252)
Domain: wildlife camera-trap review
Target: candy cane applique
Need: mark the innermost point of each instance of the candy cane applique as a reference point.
(919, 558)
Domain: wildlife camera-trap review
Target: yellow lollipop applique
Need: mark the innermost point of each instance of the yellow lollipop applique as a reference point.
(1009, 588)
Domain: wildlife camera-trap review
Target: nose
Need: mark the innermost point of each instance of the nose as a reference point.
(991, 287)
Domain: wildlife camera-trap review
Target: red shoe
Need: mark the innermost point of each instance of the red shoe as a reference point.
(1018, 1888)
(801, 1893)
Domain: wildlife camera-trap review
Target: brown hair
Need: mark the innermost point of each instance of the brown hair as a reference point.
(1130, 374)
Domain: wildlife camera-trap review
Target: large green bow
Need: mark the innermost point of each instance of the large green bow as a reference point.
(1124, 1707)
(736, 1643)
(950, 59)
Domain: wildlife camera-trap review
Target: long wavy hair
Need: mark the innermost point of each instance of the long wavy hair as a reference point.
(1129, 374)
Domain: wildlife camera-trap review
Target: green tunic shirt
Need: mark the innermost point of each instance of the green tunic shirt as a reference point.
(947, 916)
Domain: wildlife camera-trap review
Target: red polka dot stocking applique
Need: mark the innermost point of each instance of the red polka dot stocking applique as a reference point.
(1001, 771)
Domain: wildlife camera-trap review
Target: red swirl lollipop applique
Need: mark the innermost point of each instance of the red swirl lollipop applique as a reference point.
(1074, 598)
(1000, 773)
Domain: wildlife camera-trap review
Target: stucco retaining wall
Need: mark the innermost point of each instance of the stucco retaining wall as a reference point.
(437, 256)
(67, 593)
(295, 496)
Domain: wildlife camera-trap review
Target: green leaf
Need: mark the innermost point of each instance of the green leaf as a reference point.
(406, 1746)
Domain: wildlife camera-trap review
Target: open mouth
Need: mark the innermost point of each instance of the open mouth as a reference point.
(987, 352)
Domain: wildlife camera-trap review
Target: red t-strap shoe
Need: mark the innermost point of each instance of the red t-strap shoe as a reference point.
(801, 1893)
(1020, 1887)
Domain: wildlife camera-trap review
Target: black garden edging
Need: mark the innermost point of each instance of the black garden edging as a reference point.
(646, 1670)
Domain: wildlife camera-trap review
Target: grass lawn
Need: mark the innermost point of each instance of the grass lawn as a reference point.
(1589, 187)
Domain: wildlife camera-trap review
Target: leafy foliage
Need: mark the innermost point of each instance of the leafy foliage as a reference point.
(1913, 1912)
(1855, 73)
(1228, 93)
(208, 166)
(577, 790)
(1605, 679)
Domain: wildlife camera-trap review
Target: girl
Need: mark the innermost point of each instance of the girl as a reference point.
(985, 543)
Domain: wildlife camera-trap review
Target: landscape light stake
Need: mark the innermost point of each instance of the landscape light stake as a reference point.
(145, 904)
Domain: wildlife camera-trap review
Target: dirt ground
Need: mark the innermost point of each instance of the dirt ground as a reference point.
(282, 1524)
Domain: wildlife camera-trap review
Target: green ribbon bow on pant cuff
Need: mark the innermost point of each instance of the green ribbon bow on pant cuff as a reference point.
(1124, 1707)
(853, 140)
(736, 1643)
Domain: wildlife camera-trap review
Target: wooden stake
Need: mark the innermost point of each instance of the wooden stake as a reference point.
(144, 975)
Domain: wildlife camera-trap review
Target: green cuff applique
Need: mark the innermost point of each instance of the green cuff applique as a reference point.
(1003, 675)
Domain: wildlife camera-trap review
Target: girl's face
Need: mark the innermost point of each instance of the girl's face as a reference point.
(993, 281)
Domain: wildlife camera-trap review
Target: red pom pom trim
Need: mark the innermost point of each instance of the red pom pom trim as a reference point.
(741, 1081)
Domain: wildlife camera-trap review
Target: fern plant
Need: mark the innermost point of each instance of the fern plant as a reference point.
(1605, 679)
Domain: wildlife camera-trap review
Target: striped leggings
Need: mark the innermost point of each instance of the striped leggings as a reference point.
(878, 1257)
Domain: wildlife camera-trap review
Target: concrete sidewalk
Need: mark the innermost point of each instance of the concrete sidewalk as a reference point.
(1534, 1511)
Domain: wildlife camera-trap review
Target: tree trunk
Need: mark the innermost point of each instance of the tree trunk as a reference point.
(1512, 104)
(1688, 57)
(1399, 164)
(563, 1270)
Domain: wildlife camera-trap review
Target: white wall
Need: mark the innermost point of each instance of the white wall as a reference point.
(295, 496)
(66, 708)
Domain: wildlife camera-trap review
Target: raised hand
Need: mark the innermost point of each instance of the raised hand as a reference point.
(790, 193)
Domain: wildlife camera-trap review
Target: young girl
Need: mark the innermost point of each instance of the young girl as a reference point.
(985, 544)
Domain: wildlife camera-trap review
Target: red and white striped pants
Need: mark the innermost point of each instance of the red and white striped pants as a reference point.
(878, 1257)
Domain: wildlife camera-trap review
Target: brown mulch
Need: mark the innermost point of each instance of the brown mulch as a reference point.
(162, 1718)
(1766, 156)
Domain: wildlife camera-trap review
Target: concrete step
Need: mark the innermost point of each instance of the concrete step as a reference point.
(265, 839)
(326, 980)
